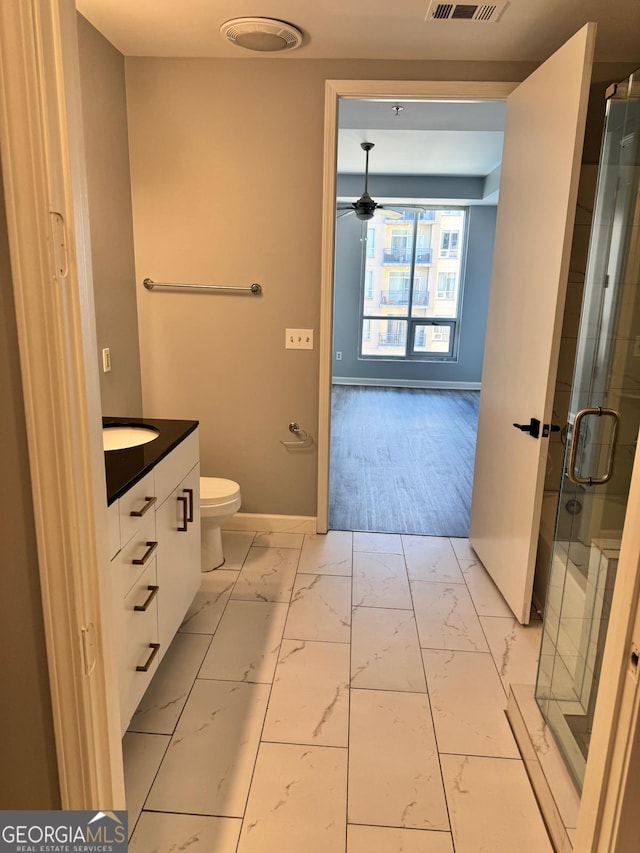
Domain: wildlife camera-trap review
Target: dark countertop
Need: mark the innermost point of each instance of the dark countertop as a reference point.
(125, 467)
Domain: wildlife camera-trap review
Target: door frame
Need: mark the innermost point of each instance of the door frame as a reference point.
(608, 808)
(608, 803)
(41, 139)
(391, 90)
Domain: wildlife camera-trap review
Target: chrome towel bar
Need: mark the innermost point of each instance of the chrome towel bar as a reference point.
(255, 289)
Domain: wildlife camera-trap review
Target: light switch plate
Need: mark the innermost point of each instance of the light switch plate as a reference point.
(298, 339)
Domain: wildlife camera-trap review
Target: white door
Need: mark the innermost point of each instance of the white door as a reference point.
(544, 132)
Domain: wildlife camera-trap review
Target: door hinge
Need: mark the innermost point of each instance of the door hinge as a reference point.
(89, 658)
(59, 243)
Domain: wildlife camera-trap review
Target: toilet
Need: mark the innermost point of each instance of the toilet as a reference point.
(219, 500)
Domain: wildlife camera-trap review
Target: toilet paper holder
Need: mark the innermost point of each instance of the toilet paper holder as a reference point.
(302, 436)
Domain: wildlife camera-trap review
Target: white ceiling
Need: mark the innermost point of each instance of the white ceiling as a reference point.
(436, 138)
(368, 29)
(424, 139)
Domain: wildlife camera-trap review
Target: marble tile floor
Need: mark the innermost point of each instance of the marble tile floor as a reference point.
(336, 694)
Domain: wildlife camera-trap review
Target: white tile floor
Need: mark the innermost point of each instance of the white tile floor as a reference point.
(336, 694)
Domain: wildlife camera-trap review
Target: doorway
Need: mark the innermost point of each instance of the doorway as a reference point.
(411, 292)
(407, 454)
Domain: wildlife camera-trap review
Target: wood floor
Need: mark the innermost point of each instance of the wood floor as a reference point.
(402, 459)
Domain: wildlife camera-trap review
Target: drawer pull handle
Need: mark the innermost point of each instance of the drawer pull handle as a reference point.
(155, 647)
(185, 514)
(140, 561)
(141, 608)
(138, 513)
(190, 493)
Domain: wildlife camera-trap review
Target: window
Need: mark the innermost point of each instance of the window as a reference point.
(401, 317)
(371, 242)
(368, 284)
(398, 290)
(449, 244)
(400, 238)
(446, 285)
(434, 338)
(384, 337)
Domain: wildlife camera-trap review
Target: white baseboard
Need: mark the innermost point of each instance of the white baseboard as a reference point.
(272, 523)
(438, 384)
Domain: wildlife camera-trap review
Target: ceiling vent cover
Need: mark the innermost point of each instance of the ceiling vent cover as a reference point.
(263, 34)
(483, 12)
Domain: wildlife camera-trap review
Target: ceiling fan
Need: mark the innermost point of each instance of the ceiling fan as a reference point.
(365, 207)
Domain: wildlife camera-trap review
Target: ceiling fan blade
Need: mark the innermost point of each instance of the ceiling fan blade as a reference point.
(390, 212)
(343, 211)
(398, 208)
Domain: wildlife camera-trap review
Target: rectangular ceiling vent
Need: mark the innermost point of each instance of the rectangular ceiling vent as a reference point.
(483, 12)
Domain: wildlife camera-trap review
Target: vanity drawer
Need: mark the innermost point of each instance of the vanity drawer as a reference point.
(113, 527)
(136, 506)
(139, 653)
(174, 467)
(136, 555)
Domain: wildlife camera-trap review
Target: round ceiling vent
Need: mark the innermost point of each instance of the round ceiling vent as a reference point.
(262, 34)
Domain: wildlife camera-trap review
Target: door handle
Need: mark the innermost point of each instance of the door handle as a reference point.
(572, 474)
(533, 428)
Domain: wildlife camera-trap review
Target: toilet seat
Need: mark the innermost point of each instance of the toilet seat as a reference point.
(215, 491)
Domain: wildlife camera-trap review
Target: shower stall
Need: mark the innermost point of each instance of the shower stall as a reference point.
(604, 417)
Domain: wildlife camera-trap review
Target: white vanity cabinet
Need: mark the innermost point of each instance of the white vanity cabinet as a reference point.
(178, 527)
(156, 570)
(135, 592)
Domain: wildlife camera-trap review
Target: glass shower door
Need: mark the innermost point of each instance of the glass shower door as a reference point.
(604, 417)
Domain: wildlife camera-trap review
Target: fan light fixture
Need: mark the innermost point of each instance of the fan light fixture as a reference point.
(366, 207)
(266, 35)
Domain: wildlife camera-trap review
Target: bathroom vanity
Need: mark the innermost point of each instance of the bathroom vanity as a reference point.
(154, 540)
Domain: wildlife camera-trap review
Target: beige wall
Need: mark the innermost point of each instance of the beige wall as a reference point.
(109, 189)
(28, 779)
(226, 160)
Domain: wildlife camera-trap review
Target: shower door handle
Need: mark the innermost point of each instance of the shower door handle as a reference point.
(573, 475)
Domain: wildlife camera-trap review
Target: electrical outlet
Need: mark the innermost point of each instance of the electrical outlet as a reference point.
(106, 360)
(338, 356)
(298, 339)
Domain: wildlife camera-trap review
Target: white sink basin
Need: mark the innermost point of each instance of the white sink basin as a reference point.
(119, 437)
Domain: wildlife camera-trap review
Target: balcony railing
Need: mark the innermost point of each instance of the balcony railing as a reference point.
(403, 256)
(391, 339)
(409, 215)
(394, 297)
(401, 297)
